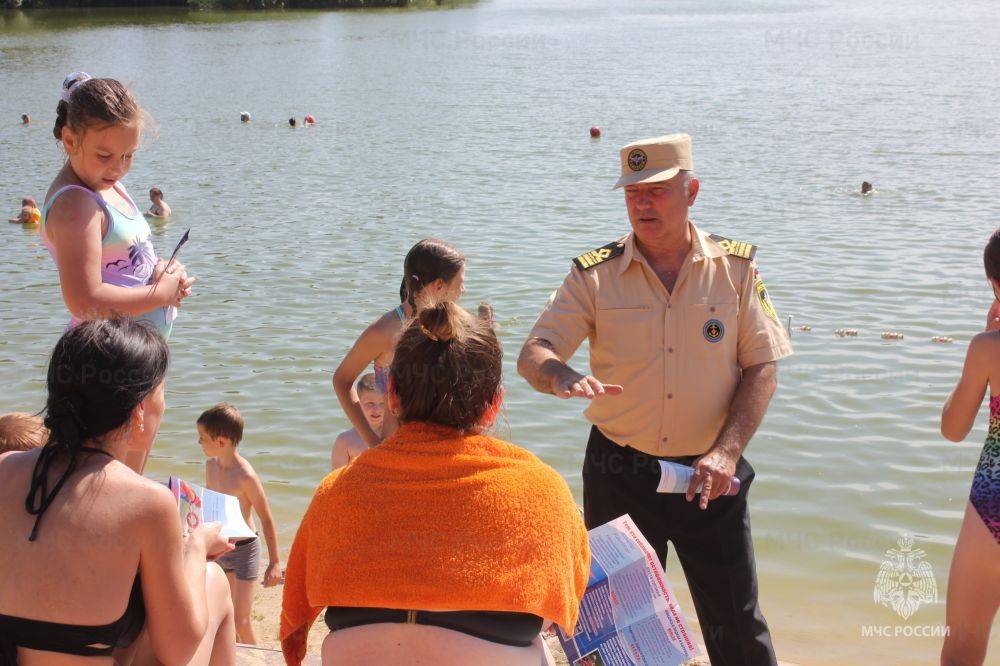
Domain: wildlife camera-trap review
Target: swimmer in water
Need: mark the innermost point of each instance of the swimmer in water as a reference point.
(29, 212)
(25, 119)
(309, 120)
(867, 188)
(244, 117)
(160, 208)
(292, 122)
(486, 313)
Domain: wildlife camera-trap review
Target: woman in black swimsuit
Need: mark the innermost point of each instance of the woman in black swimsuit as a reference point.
(92, 553)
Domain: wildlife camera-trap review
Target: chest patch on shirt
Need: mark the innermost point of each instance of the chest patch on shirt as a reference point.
(596, 257)
(713, 330)
(763, 297)
(736, 248)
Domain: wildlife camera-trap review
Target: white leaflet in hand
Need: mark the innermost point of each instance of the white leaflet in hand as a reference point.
(200, 505)
(675, 478)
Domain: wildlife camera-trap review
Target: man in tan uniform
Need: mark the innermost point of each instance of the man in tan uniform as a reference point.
(683, 345)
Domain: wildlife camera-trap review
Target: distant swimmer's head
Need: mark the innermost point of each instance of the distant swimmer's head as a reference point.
(991, 261)
(433, 272)
(309, 120)
(658, 177)
(155, 194)
(244, 117)
(25, 119)
(99, 124)
(219, 427)
(486, 313)
(866, 187)
(292, 122)
(372, 400)
(447, 369)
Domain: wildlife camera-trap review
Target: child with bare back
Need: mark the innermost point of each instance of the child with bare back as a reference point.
(220, 430)
(349, 444)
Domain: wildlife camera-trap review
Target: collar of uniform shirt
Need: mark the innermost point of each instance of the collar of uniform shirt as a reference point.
(701, 247)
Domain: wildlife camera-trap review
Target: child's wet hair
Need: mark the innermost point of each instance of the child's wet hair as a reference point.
(223, 420)
(98, 103)
(367, 383)
(991, 256)
(155, 192)
(429, 260)
(22, 432)
(447, 368)
(29, 201)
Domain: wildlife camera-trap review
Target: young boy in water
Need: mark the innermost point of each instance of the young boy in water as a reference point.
(349, 445)
(29, 212)
(220, 430)
(159, 207)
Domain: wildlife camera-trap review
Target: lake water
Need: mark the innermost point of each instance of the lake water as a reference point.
(470, 123)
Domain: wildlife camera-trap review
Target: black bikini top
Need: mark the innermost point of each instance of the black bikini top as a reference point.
(80, 640)
(505, 628)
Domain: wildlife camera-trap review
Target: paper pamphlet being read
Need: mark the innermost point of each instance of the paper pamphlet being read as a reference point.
(629, 614)
(675, 478)
(199, 505)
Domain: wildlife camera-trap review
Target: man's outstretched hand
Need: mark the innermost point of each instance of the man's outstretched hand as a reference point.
(575, 385)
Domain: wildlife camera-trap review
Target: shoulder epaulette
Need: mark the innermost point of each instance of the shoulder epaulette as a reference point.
(599, 256)
(735, 248)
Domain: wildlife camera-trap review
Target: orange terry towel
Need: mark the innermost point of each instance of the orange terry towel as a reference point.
(432, 519)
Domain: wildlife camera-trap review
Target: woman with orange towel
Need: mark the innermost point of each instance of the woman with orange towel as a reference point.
(442, 545)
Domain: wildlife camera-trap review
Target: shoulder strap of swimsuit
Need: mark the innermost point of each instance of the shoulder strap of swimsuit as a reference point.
(92, 194)
(400, 314)
(66, 188)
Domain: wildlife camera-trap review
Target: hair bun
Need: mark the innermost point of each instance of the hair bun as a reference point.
(443, 322)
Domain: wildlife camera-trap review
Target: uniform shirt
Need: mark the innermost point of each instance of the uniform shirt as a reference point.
(679, 356)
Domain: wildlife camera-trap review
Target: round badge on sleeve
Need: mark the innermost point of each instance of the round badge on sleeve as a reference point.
(713, 330)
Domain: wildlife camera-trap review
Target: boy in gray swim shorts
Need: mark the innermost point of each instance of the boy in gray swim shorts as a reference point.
(220, 430)
(244, 560)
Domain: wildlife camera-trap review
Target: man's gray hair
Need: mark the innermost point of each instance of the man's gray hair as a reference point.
(687, 176)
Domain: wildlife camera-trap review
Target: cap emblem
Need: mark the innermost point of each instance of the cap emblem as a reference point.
(637, 159)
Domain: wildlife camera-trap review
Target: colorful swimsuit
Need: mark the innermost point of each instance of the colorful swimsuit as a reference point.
(985, 495)
(127, 255)
(382, 371)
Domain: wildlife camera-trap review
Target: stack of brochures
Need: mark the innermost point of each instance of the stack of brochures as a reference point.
(629, 614)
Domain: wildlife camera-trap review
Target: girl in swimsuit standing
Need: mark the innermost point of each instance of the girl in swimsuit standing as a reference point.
(91, 226)
(433, 272)
(974, 581)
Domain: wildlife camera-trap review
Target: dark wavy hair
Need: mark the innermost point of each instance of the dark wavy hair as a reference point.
(447, 368)
(98, 373)
(429, 260)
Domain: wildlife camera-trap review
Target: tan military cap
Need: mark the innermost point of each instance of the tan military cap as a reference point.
(656, 159)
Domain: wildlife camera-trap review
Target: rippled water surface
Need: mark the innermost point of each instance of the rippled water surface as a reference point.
(470, 123)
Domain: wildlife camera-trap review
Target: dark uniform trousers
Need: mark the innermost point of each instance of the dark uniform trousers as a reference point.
(714, 546)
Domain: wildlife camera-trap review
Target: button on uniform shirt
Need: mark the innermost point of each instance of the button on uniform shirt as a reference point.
(680, 355)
